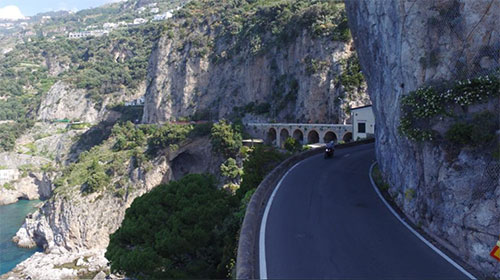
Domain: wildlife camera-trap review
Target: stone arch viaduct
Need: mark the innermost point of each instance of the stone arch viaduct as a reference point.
(277, 133)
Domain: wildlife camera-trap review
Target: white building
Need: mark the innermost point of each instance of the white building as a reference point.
(363, 122)
(163, 16)
(155, 10)
(97, 33)
(109, 25)
(138, 21)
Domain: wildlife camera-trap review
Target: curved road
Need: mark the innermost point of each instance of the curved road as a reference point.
(326, 221)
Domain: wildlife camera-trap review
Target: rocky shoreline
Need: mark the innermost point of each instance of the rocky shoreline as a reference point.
(88, 264)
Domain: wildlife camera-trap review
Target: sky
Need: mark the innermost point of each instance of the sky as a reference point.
(16, 9)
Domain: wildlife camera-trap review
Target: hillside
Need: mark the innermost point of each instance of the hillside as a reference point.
(289, 61)
(65, 108)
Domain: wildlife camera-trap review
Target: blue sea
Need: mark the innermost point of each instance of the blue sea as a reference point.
(11, 219)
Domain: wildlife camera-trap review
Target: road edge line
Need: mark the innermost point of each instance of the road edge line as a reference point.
(262, 233)
(429, 244)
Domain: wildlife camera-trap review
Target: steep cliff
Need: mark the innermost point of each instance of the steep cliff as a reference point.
(280, 61)
(76, 224)
(451, 191)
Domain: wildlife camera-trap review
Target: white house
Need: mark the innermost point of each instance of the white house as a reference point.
(155, 10)
(109, 25)
(97, 33)
(363, 122)
(163, 16)
(138, 21)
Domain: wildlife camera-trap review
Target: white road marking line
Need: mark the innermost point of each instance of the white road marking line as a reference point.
(439, 252)
(262, 235)
(347, 155)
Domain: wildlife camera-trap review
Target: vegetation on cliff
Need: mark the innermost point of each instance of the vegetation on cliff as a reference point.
(106, 166)
(175, 231)
(190, 228)
(423, 108)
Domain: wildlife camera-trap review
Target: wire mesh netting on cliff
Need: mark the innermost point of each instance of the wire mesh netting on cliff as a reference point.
(476, 46)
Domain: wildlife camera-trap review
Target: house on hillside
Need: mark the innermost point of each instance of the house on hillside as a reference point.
(83, 34)
(363, 122)
(109, 25)
(163, 16)
(138, 21)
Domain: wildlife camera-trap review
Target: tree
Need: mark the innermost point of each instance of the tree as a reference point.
(178, 230)
(225, 139)
(231, 169)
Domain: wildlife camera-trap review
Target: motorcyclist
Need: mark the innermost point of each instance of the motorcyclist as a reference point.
(330, 148)
(330, 145)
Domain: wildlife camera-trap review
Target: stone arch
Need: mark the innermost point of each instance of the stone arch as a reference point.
(271, 136)
(185, 163)
(347, 137)
(330, 136)
(284, 134)
(312, 137)
(299, 136)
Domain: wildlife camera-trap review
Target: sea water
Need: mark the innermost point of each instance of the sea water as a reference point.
(11, 219)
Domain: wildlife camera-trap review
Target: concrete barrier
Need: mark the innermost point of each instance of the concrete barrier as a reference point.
(247, 258)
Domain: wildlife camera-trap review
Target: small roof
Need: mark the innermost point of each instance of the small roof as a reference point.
(357, 108)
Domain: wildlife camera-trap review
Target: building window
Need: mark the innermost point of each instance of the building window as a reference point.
(361, 128)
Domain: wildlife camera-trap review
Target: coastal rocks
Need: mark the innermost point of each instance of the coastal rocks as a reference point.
(72, 222)
(21, 177)
(407, 44)
(87, 264)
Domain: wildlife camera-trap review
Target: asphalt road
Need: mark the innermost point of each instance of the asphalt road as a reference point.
(326, 221)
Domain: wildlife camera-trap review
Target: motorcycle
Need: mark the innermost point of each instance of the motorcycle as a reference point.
(329, 152)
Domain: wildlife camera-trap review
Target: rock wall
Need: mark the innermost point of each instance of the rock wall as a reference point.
(183, 84)
(403, 45)
(64, 101)
(21, 178)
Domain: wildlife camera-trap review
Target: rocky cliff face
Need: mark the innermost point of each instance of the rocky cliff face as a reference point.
(294, 82)
(406, 44)
(77, 226)
(63, 101)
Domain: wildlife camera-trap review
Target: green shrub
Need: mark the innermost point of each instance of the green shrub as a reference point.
(460, 134)
(260, 162)
(379, 179)
(479, 131)
(292, 145)
(230, 169)
(168, 136)
(410, 194)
